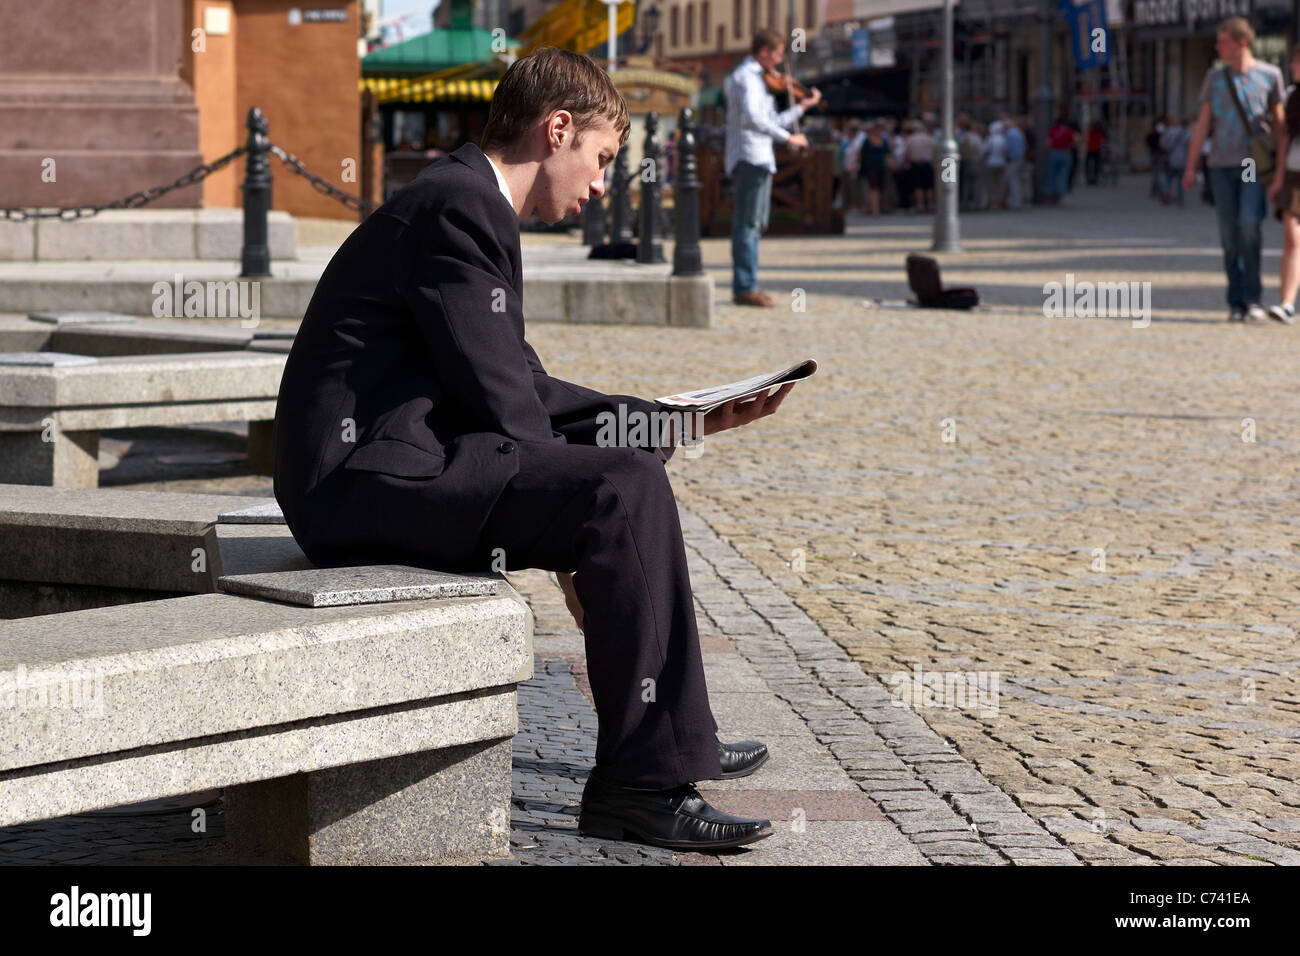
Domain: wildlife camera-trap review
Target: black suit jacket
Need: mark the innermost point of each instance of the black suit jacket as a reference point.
(411, 363)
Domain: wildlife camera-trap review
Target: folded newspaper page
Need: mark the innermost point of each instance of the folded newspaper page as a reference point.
(707, 399)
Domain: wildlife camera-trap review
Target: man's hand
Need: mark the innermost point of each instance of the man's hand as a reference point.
(737, 412)
(809, 102)
(797, 141)
(565, 580)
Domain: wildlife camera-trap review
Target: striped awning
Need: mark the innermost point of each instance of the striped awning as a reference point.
(389, 89)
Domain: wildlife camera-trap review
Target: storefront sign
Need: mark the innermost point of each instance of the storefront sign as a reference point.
(1189, 13)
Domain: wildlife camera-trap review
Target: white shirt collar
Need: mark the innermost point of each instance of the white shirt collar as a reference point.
(501, 182)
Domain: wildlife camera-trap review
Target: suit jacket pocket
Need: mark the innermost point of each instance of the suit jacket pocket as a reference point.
(391, 456)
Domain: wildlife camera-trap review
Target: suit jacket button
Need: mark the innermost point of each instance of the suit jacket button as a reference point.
(506, 447)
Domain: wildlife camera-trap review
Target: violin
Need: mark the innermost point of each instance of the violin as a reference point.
(781, 83)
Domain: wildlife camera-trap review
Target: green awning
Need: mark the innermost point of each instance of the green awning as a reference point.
(432, 52)
(711, 96)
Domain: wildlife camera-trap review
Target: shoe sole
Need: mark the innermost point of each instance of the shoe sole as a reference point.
(605, 827)
(745, 773)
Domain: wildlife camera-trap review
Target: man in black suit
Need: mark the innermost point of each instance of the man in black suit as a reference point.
(415, 425)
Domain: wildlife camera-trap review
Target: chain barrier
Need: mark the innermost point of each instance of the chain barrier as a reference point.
(294, 164)
(133, 201)
(195, 175)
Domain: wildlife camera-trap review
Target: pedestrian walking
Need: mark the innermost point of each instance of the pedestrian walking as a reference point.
(1173, 144)
(1158, 159)
(1017, 147)
(1060, 142)
(1092, 162)
(902, 170)
(874, 160)
(971, 152)
(995, 165)
(752, 124)
(1244, 98)
(919, 151)
(1285, 193)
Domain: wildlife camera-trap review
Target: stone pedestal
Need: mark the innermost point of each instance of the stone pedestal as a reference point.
(441, 806)
(92, 106)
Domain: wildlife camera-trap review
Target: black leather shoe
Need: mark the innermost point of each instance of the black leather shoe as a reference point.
(678, 819)
(740, 760)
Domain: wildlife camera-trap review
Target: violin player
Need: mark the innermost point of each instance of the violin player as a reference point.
(752, 124)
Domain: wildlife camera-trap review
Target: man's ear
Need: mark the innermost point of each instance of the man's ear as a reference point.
(560, 125)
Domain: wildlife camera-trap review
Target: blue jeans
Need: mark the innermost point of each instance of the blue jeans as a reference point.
(1058, 172)
(753, 208)
(1240, 207)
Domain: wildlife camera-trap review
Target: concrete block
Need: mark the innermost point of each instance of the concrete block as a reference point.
(162, 672)
(17, 239)
(441, 806)
(544, 299)
(633, 300)
(263, 753)
(24, 335)
(220, 234)
(690, 301)
(370, 584)
(119, 234)
(111, 538)
(69, 460)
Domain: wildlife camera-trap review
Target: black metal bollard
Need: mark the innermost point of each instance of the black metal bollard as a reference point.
(621, 196)
(593, 222)
(686, 197)
(256, 254)
(650, 248)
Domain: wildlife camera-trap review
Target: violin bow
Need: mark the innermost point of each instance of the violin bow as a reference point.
(789, 87)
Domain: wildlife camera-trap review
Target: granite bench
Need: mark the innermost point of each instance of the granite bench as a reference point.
(53, 405)
(352, 715)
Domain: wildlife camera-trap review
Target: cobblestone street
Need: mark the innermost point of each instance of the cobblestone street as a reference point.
(1077, 533)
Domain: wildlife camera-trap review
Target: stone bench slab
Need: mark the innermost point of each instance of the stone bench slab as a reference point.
(373, 584)
(127, 539)
(164, 672)
(230, 760)
(131, 380)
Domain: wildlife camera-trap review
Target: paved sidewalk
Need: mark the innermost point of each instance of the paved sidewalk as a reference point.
(1100, 516)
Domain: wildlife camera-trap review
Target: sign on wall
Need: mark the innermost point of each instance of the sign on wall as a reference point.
(1089, 33)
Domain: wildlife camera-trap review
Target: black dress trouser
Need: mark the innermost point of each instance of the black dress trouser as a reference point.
(609, 515)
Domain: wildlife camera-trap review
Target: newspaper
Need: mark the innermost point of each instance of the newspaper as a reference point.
(707, 399)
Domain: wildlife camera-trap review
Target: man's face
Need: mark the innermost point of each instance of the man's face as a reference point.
(1228, 48)
(770, 57)
(573, 174)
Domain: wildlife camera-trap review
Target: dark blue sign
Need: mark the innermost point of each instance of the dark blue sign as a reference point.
(860, 41)
(1089, 36)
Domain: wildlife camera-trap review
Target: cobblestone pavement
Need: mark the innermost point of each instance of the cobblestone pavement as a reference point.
(1108, 534)
(1148, 695)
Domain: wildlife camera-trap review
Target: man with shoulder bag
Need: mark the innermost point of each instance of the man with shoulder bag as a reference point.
(1244, 99)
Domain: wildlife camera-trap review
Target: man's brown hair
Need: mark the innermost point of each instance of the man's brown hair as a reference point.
(767, 39)
(546, 80)
(1239, 29)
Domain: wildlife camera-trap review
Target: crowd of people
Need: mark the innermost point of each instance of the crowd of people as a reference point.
(885, 165)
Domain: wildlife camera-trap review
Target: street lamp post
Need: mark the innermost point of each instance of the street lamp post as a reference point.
(1044, 100)
(946, 231)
